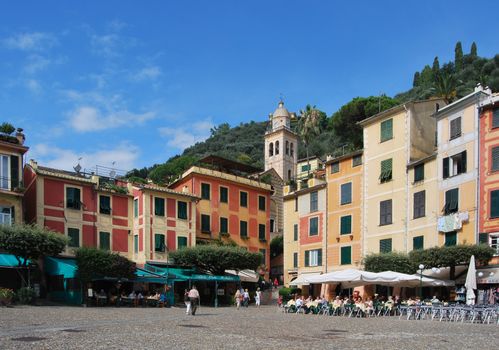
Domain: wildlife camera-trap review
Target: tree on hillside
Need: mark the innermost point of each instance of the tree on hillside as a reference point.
(216, 259)
(435, 68)
(458, 56)
(344, 122)
(473, 51)
(310, 126)
(168, 172)
(415, 80)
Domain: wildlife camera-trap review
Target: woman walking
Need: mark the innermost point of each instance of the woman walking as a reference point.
(258, 296)
(237, 298)
(187, 302)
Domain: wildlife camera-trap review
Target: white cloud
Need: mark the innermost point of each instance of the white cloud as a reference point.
(36, 63)
(105, 45)
(34, 86)
(88, 118)
(124, 155)
(35, 41)
(182, 138)
(147, 73)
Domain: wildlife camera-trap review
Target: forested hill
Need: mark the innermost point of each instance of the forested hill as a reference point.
(338, 132)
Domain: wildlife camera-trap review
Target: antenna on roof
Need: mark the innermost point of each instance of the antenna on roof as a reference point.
(112, 173)
(77, 167)
(281, 97)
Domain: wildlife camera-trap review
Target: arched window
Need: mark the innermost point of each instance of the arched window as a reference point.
(277, 147)
(292, 151)
(289, 175)
(271, 149)
(287, 147)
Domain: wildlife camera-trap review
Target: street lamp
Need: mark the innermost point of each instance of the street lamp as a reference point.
(435, 270)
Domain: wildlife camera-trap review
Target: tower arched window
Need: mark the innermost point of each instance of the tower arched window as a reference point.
(287, 147)
(271, 149)
(289, 175)
(292, 150)
(277, 147)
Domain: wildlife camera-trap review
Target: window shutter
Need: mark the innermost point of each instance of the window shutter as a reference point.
(295, 232)
(495, 158)
(319, 257)
(494, 204)
(458, 127)
(307, 258)
(295, 260)
(495, 118)
(463, 162)
(483, 238)
(446, 167)
(14, 172)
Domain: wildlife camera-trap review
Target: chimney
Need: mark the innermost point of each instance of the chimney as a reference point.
(185, 189)
(20, 136)
(33, 164)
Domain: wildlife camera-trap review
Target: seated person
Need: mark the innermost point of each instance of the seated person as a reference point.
(435, 300)
(139, 295)
(102, 294)
(337, 302)
(132, 295)
(369, 305)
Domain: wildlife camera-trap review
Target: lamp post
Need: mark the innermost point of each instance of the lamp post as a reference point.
(421, 268)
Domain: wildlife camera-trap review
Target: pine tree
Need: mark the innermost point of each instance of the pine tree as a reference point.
(473, 51)
(435, 68)
(458, 56)
(415, 81)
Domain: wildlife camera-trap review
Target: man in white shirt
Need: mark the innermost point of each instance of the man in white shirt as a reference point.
(194, 299)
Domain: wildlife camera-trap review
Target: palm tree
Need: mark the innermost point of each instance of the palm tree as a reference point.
(445, 87)
(309, 127)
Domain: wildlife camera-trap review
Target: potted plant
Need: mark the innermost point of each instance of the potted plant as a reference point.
(6, 296)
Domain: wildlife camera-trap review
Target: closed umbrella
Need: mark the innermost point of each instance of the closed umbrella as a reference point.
(470, 283)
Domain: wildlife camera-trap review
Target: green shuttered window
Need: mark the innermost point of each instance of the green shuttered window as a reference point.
(418, 242)
(419, 204)
(387, 130)
(494, 204)
(243, 199)
(105, 240)
(385, 245)
(262, 203)
(224, 194)
(450, 238)
(356, 160)
(314, 226)
(346, 225)
(313, 257)
(386, 170)
(261, 232)
(451, 201)
(419, 172)
(495, 158)
(205, 224)
(295, 232)
(74, 237)
(243, 228)
(73, 199)
(346, 193)
(335, 167)
(181, 242)
(159, 242)
(104, 204)
(295, 260)
(385, 212)
(159, 206)
(495, 118)
(224, 225)
(346, 255)
(205, 191)
(314, 201)
(455, 128)
(182, 210)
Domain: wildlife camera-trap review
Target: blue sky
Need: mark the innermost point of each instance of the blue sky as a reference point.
(135, 82)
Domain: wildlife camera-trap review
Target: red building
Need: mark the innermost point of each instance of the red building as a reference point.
(489, 174)
(232, 205)
(92, 211)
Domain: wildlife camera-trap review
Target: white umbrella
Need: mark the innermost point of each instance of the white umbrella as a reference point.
(470, 283)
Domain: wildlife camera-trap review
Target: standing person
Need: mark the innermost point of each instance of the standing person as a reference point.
(237, 298)
(246, 298)
(187, 302)
(194, 299)
(258, 296)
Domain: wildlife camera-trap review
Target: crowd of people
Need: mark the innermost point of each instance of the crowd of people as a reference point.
(242, 297)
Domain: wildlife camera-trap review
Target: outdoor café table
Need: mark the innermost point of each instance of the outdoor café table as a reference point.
(152, 302)
(129, 301)
(101, 300)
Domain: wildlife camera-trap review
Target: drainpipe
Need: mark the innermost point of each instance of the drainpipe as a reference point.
(407, 197)
(477, 169)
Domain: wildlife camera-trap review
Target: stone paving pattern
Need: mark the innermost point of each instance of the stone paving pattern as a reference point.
(63, 327)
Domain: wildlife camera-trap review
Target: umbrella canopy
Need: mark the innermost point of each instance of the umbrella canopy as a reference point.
(348, 278)
(470, 283)
(304, 279)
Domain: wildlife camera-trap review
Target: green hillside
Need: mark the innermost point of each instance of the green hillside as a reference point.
(339, 133)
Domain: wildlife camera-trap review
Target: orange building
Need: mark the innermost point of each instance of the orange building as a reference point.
(489, 173)
(164, 221)
(232, 205)
(344, 203)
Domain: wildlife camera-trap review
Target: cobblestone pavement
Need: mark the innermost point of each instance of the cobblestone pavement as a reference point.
(60, 327)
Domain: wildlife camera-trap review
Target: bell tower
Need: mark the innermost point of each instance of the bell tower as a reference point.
(281, 144)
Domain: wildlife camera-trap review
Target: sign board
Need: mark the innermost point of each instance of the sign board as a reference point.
(220, 291)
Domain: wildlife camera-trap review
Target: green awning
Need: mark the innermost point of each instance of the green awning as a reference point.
(149, 277)
(213, 278)
(185, 274)
(60, 266)
(9, 260)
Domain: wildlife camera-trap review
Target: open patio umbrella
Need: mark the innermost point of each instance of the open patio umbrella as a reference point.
(470, 283)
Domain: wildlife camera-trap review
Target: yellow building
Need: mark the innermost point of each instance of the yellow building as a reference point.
(394, 141)
(344, 204)
(458, 147)
(305, 231)
(12, 150)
